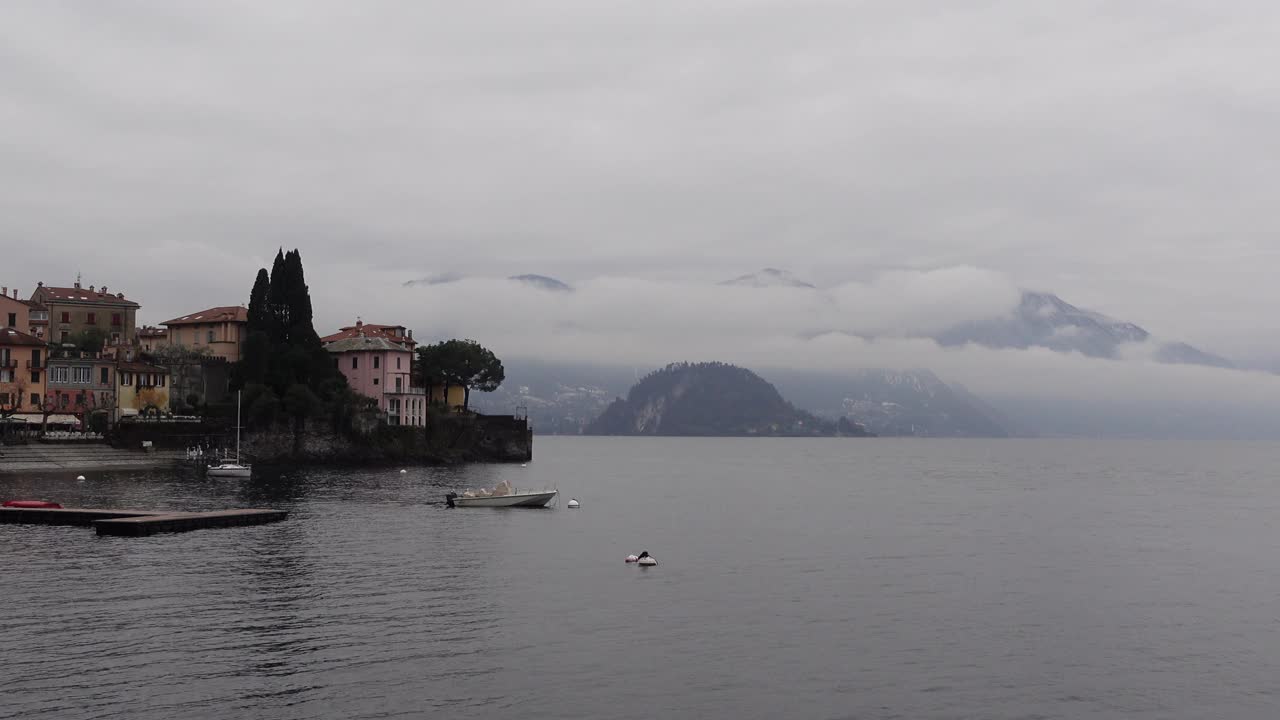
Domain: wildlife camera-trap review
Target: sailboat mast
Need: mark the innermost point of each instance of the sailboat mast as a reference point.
(238, 394)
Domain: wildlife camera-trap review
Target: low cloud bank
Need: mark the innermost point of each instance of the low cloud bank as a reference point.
(874, 324)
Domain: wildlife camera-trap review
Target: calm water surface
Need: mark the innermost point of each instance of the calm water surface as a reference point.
(799, 578)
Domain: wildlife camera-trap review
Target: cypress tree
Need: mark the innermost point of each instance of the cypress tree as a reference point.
(283, 350)
(298, 299)
(278, 302)
(258, 299)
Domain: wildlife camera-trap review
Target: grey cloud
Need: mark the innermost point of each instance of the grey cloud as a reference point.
(1112, 153)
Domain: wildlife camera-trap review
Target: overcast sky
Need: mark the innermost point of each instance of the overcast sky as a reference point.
(1121, 154)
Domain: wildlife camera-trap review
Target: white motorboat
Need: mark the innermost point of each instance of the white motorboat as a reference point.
(228, 468)
(515, 499)
(501, 496)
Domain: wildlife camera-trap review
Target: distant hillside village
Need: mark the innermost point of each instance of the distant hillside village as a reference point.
(74, 358)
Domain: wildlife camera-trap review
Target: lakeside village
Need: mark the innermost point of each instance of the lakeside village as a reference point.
(75, 366)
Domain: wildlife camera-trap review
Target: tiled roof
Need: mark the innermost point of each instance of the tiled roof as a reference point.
(226, 313)
(9, 336)
(79, 295)
(363, 344)
(371, 330)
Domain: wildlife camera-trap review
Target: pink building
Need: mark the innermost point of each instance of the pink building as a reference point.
(379, 368)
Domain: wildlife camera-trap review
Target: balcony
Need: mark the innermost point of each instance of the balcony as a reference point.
(71, 353)
(36, 365)
(8, 362)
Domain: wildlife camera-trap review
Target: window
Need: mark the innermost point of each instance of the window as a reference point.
(92, 319)
(13, 320)
(105, 376)
(60, 374)
(210, 336)
(355, 362)
(399, 384)
(64, 335)
(64, 400)
(35, 358)
(35, 376)
(376, 363)
(195, 337)
(4, 399)
(116, 321)
(397, 363)
(66, 317)
(6, 376)
(126, 379)
(375, 381)
(115, 339)
(81, 375)
(35, 399)
(160, 380)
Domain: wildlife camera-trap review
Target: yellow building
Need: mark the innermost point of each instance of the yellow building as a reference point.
(141, 388)
(221, 330)
(456, 396)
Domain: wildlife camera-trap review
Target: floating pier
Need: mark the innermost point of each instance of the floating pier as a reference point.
(135, 523)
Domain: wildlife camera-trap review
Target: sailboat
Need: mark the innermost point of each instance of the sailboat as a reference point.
(226, 468)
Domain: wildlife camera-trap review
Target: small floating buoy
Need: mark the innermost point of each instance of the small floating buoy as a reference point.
(524, 464)
(402, 472)
(80, 478)
(632, 558)
(574, 504)
(647, 562)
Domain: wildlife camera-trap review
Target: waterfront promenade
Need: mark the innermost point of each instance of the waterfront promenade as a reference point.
(79, 457)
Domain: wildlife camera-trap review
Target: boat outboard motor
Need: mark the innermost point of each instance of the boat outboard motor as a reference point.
(448, 499)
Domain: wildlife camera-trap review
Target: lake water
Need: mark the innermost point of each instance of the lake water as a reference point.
(807, 578)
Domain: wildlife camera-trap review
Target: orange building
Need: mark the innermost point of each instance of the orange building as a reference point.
(22, 371)
(14, 313)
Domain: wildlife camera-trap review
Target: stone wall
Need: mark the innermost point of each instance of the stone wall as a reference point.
(480, 438)
(176, 435)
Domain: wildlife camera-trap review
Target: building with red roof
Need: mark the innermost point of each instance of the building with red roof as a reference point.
(74, 310)
(397, 334)
(22, 377)
(222, 330)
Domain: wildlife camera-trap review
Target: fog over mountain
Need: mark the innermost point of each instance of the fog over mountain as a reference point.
(1101, 377)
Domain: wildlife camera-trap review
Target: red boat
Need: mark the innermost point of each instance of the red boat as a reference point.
(39, 504)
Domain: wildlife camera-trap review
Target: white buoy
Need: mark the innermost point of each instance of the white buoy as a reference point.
(632, 558)
(402, 472)
(647, 562)
(574, 504)
(524, 464)
(80, 478)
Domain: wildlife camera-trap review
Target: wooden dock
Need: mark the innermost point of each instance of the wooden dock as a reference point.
(182, 522)
(135, 523)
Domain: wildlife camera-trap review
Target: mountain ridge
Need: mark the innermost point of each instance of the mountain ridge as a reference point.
(711, 399)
